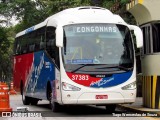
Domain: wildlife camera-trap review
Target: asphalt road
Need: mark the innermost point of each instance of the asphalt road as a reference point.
(42, 111)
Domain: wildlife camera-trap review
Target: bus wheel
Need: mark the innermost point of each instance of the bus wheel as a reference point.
(49, 94)
(110, 108)
(25, 99)
(55, 107)
(34, 101)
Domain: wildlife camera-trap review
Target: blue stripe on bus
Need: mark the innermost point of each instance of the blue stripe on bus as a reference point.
(114, 80)
(44, 71)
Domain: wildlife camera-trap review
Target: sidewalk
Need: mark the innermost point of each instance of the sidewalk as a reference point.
(138, 107)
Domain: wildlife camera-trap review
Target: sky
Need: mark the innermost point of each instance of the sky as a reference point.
(11, 22)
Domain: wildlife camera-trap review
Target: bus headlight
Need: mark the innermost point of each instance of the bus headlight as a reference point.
(130, 86)
(68, 87)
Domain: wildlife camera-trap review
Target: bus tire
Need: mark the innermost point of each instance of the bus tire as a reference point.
(55, 107)
(25, 99)
(21, 87)
(110, 108)
(34, 101)
(49, 92)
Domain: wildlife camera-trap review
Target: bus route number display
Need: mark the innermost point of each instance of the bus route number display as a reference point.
(80, 77)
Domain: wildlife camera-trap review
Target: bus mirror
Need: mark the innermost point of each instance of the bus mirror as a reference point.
(138, 34)
(59, 36)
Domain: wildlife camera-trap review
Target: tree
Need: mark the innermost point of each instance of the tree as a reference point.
(119, 7)
(5, 55)
(31, 12)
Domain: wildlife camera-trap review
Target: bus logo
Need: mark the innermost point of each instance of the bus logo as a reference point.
(30, 29)
(100, 76)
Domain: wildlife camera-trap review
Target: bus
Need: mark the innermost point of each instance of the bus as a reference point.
(79, 56)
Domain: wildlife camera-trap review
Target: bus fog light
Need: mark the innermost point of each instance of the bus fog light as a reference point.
(68, 87)
(130, 86)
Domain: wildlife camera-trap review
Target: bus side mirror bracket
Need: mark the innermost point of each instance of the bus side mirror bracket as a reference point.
(138, 34)
(59, 36)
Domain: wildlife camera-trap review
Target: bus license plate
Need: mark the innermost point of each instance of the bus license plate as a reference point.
(101, 96)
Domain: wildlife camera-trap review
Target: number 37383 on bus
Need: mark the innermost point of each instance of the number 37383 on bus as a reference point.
(80, 77)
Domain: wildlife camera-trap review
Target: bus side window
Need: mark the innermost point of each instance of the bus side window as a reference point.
(18, 49)
(42, 42)
(50, 41)
(41, 38)
(24, 47)
(18, 46)
(57, 57)
(31, 47)
(51, 47)
(30, 38)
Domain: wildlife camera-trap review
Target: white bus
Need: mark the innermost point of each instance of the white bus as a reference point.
(82, 55)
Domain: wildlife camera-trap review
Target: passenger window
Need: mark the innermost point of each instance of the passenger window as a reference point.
(51, 47)
(50, 41)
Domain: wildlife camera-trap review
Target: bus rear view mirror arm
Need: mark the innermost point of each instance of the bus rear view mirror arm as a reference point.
(59, 36)
(138, 34)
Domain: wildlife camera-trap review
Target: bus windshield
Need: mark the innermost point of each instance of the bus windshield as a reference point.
(100, 47)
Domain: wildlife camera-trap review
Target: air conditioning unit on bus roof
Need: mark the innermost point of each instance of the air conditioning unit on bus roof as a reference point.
(90, 7)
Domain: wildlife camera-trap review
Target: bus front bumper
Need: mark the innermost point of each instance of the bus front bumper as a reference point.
(91, 98)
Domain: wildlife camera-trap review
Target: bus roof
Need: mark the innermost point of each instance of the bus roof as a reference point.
(86, 14)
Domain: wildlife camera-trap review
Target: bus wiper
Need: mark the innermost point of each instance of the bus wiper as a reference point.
(123, 68)
(83, 65)
(118, 66)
